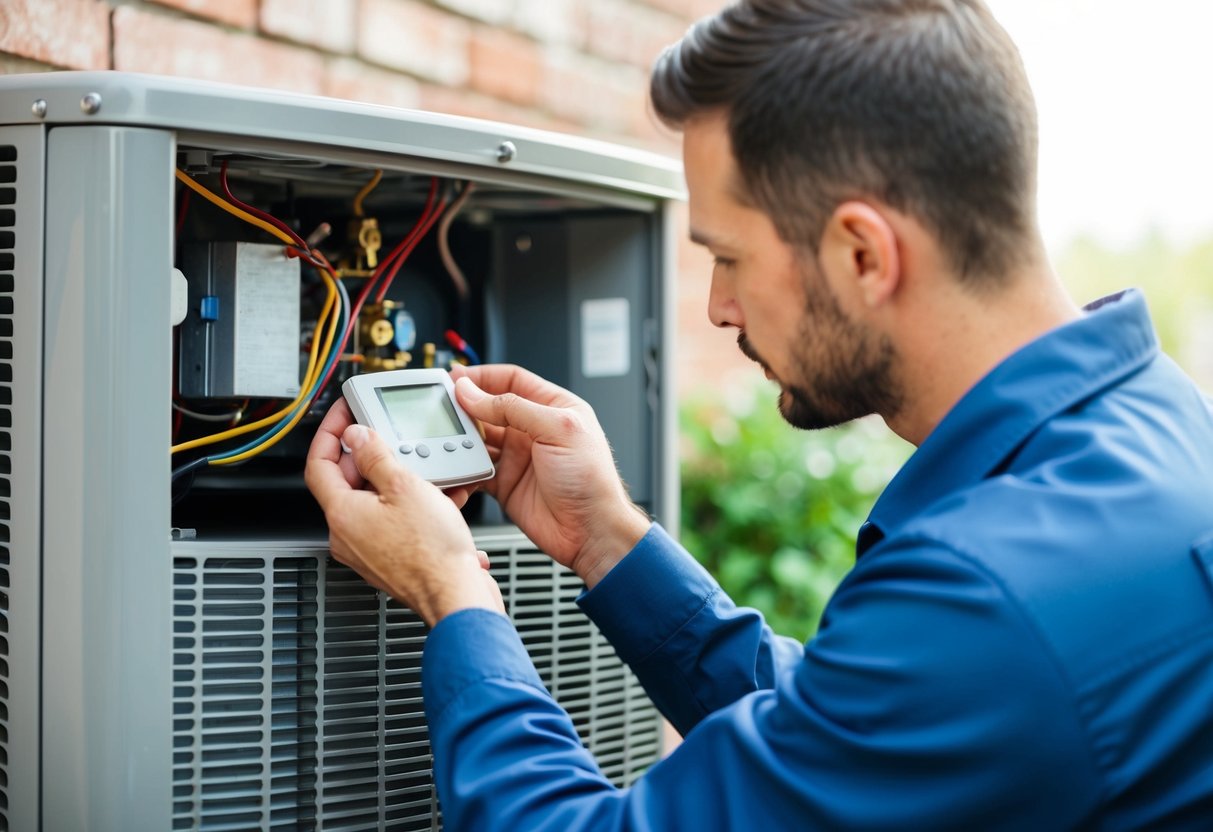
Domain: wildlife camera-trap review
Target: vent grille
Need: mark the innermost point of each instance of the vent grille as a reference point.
(8, 221)
(297, 692)
(609, 708)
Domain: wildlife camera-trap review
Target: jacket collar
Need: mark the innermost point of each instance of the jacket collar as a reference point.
(1113, 340)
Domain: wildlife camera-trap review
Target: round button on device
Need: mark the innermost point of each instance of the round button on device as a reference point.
(448, 446)
(423, 451)
(406, 448)
(468, 443)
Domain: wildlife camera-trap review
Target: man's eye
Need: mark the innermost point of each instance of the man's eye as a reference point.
(722, 261)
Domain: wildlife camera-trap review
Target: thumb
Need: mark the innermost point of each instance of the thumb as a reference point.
(376, 462)
(540, 422)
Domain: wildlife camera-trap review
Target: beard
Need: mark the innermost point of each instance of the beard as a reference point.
(843, 370)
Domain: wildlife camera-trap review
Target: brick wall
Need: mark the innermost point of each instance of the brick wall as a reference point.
(575, 66)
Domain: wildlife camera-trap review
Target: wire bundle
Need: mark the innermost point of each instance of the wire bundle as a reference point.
(336, 311)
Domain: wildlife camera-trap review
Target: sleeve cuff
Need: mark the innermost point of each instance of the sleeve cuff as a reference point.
(466, 648)
(648, 596)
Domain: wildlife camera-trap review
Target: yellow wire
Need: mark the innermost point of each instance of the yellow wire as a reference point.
(309, 379)
(313, 368)
(366, 189)
(232, 209)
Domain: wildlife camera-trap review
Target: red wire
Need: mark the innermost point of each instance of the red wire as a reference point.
(399, 253)
(256, 212)
(412, 241)
(407, 242)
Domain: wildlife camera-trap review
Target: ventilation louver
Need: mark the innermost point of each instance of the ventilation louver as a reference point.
(297, 691)
(8, 221)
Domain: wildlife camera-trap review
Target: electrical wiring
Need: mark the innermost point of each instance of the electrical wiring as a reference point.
(284, 233)
(415, 237)
(405, 246)
(331, 301)
(386, 263)
(337, 315)
(274, 417)
(217, 200)
(313, 386)
(256, 212)
(365, 191)
(236, 414)
(444, 246)
(457, 343)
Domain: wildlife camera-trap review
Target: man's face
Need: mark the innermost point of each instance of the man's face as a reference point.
(830, 367)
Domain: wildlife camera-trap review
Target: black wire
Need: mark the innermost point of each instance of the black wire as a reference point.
(183, 478)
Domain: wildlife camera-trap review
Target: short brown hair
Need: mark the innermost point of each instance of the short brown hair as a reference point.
(922, 104)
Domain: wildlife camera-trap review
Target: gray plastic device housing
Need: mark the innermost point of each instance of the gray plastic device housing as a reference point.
(446, 461)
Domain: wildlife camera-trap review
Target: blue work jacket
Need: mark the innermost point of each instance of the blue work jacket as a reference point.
(1024, 643)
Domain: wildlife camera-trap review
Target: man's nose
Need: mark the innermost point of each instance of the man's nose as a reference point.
(723, 310)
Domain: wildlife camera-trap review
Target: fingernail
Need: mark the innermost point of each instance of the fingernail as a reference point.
(469, 391)
(355, 437)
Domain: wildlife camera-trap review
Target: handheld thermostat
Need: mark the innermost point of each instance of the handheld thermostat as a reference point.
(417, 413)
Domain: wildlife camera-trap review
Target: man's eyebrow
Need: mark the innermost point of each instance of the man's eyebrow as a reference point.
(700, 238)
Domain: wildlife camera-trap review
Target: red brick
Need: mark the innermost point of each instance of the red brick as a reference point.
(556, 22)
(506, 66)
(488, 11)
(607, 98)
(66, 33)
(149, 42)
(328, 24)
(418, 39)
(627, 32)
(355, 81)
(242, 13)
(463, 102)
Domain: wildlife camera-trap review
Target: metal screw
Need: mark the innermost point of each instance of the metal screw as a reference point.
(39, 108)
(506, 151)
(90, 104)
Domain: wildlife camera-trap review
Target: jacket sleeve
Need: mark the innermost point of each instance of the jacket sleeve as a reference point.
(692, 648)
(926, 701)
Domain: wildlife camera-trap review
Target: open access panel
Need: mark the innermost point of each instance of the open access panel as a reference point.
(188, 273)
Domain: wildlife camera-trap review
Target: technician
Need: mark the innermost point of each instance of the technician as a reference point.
(1026, 639)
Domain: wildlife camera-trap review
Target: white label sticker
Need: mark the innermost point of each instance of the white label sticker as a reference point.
(604, 337)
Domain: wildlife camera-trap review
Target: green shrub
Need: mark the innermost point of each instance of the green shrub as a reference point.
(772, 511)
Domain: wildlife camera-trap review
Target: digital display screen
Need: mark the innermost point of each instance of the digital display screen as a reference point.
(420, 411)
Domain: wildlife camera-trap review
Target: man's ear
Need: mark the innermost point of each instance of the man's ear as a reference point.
(859, 250)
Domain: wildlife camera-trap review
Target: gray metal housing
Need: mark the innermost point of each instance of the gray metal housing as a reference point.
(141, 680)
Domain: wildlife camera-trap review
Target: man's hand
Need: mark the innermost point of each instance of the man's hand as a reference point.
(555, 477)
(404, 537)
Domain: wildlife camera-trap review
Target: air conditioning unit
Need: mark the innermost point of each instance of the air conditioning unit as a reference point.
(183, 653)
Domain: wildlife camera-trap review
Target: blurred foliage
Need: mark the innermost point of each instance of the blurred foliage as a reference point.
(772, 511)
(1177, 282)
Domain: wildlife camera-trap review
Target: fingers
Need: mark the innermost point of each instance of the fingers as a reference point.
(540, 422)
(326, 446)
(377, 462)
(325, 480)
(460, 494)
(496, 379)
(328, 435)
(324, 474)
